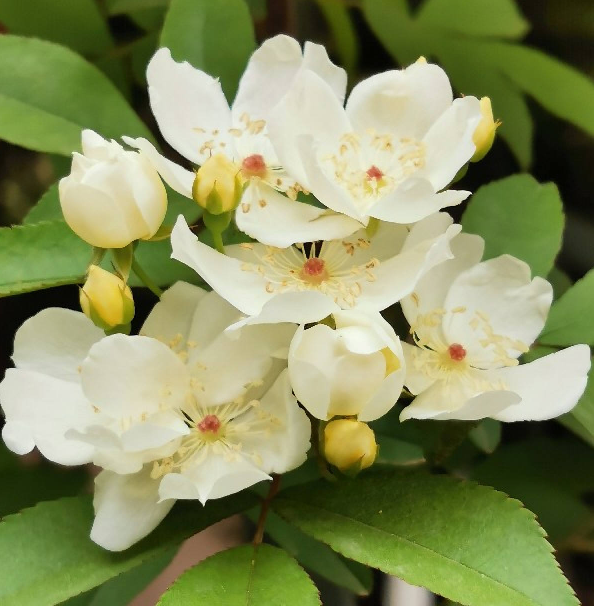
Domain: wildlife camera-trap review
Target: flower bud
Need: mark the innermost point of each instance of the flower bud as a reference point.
(218, 186)
(349, 445)
(484, 134)
(356, 369)
(111, 196)
(106, 299)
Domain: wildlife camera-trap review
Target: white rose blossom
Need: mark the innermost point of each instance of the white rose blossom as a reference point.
(471, 321)
(389, 154)
(195, 119)
(358, 369)
(183, 411)
(112, 196)
(305, 284)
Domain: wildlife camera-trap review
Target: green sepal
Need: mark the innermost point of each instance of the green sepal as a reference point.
(122, 260)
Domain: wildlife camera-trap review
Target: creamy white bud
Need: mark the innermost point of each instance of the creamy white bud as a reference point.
(111, 196)
(356, 369)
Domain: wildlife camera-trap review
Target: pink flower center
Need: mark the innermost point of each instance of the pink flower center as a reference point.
(457, 352)
(373, 172)
(209, 423)
(253, 166)
(314, 271)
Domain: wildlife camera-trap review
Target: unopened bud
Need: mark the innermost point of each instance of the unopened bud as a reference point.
(218, 185)
(484, 135)
(349, 445)
(106, 299)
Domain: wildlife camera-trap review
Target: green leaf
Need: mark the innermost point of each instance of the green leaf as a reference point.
(560, 281)
(244, 576)
(216, 37)
(319, 558)
(499, 18)
(118, 7)
(559, 88)
(78, 25)
(39, 256)
(36, 481)
(581, 419)
(466, 38)
(398, 452)
(47, 208)
(466, 542)
(548, 476)
(534, 235)
(120, 590)
(55, 558)
(487, 435)
(343, 32)
(48, 94)
(570, 320)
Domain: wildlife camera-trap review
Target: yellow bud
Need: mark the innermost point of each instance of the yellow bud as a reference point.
(218, 186)
(392, 361)
(349, 444)
(484, 135)
(106, 299)
(421, 59)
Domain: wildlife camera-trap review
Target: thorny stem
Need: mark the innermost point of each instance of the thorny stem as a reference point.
(145, 278)
(273, 490)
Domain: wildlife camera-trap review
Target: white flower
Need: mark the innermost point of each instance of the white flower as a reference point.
(185, 410)
(111, 196)
(471, 321)
(305, 284)
(389, 154)
(356, 370)
(196, 120)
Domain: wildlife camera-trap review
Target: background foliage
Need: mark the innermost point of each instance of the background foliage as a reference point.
(72, 64)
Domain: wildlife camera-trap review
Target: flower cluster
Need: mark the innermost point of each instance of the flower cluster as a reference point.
(342, 203)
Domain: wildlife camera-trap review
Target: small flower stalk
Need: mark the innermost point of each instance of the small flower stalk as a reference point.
(106, 299)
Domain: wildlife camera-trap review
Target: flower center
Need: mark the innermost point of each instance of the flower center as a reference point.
(210, 423)
(314, 271)
(254, 166)
(373, 172)
(457, 352)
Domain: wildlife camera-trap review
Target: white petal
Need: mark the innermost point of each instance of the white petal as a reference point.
(214, 478)
(188, 106)
(501, 290)
(315, 58)
(55, 342)
(245, 290)
(299, 307)
(220, 316)
(449, 144)
(310, 379)
(39, 410)
(127, 509)
(228, 366)
(413, 200)
(431, 290)
(288, 438)
(397, 277)
(267, 77)
(133, 377)
(549, 386)
(403, 103)
(456, 400)
(309, 108)
(385, 397)
(271, 218)
(177, 177)
(416, 380)
(172, 316)
(324, 187)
